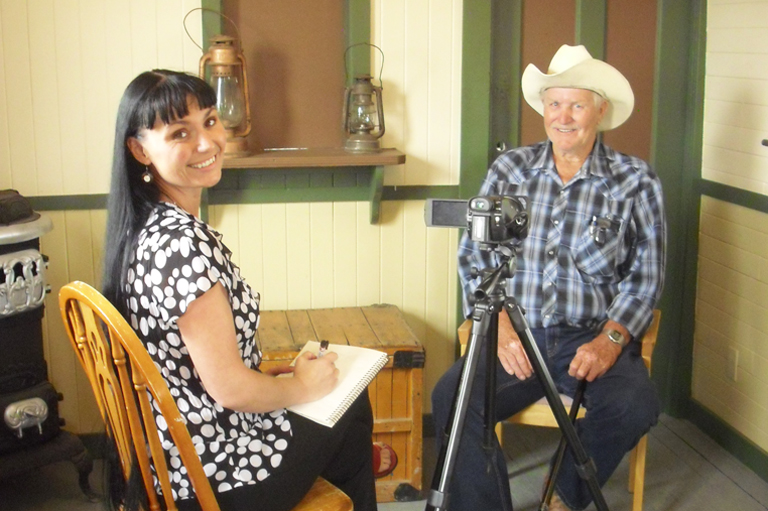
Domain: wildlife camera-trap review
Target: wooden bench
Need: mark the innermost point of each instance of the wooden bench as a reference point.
(396, 393)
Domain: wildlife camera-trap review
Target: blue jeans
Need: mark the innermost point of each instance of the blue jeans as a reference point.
(622, 406)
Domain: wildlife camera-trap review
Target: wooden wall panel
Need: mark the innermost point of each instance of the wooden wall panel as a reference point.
(736, 95)
(299, 256)
(63, 66)
(74, 248)
(368, 264)
(321, 228)
(45, 113)
(5, 147)
(421, 41)
(18, 96)
(344, 254)
(732, 317)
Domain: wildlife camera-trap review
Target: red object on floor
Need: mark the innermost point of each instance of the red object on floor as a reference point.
(377, 448)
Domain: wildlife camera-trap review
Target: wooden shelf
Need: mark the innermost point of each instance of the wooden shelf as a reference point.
(315, 157)
(332, 157)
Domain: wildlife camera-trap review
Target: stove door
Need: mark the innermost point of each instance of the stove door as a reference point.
(28, 417)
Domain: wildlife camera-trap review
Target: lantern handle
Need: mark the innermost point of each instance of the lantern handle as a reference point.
(184, 23)
(346, 71)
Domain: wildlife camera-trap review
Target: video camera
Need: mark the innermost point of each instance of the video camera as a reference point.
(494, 219)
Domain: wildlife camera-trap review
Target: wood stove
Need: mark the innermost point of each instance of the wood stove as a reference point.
(30, 426)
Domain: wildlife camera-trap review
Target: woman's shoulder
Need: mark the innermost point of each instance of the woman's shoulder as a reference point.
(169, 225)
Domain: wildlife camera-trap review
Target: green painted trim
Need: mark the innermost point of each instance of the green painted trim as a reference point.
(682, 373)
(475, 104)
(212, 24)
(374, 195)
(475, 95)
(591, 21)
(265, 195)
(358, 30)
(675, 155)
(287, 196)
(68, 202)
(731, 440)
(506, 68)
(329, 194)
(420, 192)
(745, 198)
(204, 203)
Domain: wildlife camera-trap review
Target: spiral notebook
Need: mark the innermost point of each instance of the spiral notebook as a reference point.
(357, 368)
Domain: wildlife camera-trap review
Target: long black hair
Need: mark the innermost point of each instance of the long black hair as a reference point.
(157, 94)
(153, 95)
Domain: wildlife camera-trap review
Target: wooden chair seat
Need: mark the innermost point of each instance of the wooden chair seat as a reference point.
(540, 414)
(122, 375)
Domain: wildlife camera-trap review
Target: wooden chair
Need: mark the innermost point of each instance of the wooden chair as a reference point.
(122, 374)
(540, 414)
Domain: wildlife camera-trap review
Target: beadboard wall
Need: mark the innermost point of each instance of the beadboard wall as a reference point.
(63, 68)
(731, 336)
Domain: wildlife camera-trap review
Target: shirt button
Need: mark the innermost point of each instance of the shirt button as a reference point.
(551, 252)
(556, 222)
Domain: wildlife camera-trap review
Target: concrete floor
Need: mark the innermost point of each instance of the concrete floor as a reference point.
(686, 471)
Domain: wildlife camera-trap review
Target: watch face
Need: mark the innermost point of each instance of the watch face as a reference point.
(615, 336)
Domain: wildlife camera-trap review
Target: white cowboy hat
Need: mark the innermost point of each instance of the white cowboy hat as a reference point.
(573, 67)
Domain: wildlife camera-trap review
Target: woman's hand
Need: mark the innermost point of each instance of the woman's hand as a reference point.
(318, 376)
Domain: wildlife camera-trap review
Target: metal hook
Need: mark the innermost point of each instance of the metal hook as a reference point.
(346, 71)
(184, 23)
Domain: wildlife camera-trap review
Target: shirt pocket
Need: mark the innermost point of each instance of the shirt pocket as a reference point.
(600, 247)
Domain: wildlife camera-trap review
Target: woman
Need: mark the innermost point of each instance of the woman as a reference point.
(172, 278)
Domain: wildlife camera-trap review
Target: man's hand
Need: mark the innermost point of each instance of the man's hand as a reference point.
(595, 358)
(511, 353)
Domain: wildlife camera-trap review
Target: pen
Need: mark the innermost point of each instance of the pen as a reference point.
(323, 348)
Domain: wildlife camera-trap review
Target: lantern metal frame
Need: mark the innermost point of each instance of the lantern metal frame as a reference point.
(224, 53)
(363, 140)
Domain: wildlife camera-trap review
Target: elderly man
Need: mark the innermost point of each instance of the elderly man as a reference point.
(588, 276)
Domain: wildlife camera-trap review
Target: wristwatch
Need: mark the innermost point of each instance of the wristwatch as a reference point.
(616, 337)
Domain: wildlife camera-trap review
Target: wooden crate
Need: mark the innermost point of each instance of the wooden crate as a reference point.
(396, 391)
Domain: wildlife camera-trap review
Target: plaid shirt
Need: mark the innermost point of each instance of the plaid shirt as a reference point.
(595, 247)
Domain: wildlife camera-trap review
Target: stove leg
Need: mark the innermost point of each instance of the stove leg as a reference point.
(84, 465)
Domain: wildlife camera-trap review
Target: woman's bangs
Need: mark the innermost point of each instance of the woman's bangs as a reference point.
(169, 99)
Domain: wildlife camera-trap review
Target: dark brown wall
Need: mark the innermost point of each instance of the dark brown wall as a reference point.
(294, 50)
(547, 25)
(630, 47)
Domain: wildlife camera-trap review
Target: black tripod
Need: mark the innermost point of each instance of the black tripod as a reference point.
(490, 298)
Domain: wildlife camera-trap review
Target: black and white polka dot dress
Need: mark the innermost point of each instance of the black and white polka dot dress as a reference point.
(177, 260)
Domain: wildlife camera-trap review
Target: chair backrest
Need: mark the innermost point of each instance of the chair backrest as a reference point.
(649, 338)
(122, 375)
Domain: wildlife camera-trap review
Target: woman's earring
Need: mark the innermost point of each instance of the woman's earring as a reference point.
(147, 175)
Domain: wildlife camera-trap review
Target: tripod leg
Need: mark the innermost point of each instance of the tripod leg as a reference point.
(489, 440)
(554, 469)
(438, 496)
(584, 465)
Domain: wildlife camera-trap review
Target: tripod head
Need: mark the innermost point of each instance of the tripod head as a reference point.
(491, 290)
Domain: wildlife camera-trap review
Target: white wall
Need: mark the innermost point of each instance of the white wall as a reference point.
(731, 337)
(63, 68)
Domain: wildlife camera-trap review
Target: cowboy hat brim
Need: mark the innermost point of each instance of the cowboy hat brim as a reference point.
(584, 75)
